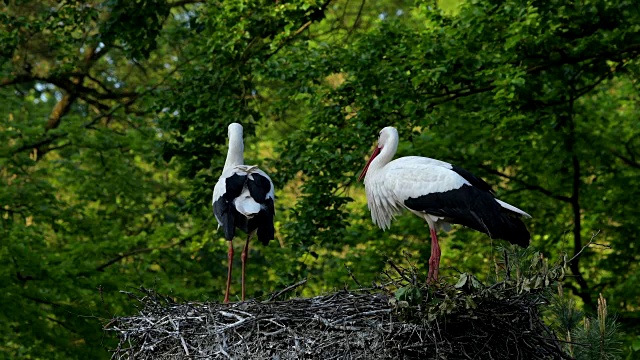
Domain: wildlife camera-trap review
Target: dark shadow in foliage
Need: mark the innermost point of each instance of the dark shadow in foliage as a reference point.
(146, 16)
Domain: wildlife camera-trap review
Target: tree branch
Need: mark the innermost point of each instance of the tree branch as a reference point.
(314, 16)
(133, 252)
(59, 322)
(526, 185)
(50, 138)
(576, 184)
(356, 21)
(61, 108)
(626, 160)
(184, 2)
(634, 49)
(16, 80)
(452, 95)
(46, 141)
(40, 301)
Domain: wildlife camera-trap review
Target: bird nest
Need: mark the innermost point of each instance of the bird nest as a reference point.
(395, 320)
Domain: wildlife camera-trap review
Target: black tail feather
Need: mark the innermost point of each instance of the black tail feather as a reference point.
(501, 225)
(476, 209)
(512, 229)
(229, 225)
(266, 230)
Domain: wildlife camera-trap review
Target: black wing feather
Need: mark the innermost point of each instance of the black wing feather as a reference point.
(474, 208)
(266, 231)
(472, 179)
(234, 185)
(259, 186)
(223, 210)
(223, 207)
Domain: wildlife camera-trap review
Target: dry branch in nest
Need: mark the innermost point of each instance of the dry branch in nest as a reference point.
(463, 321)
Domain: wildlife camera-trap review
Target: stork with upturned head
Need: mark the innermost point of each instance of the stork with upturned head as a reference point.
(438, 192)
(242, 198)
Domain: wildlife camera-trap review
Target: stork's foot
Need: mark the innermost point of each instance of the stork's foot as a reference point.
(430, 279)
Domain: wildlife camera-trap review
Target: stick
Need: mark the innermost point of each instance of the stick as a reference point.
(399, 271)
(586, 246)
(288, 288)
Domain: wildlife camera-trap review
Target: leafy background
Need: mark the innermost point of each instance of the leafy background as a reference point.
(113, 126)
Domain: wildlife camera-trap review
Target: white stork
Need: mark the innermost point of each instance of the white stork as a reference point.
(242, 198)
(440, 193)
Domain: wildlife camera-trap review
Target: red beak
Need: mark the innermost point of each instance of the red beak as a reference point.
(376, 151)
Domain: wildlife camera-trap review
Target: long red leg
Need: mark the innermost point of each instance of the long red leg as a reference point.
(245, 256)
(226, 294)
(434, 260)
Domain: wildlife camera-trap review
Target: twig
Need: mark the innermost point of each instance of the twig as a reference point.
(585, 246)
(288, 288)
(366, 313)
(395, 267)
(352, 276)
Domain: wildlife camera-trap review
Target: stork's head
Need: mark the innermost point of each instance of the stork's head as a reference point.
(386, 135)
(235, 129)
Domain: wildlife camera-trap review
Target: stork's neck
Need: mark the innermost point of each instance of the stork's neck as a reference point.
(235, 154)
(386, 154)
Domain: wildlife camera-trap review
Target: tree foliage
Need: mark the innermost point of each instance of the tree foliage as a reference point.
(113, 125)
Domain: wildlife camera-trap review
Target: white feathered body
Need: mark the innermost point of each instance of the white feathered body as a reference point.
(406, 177)
(432, 190)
